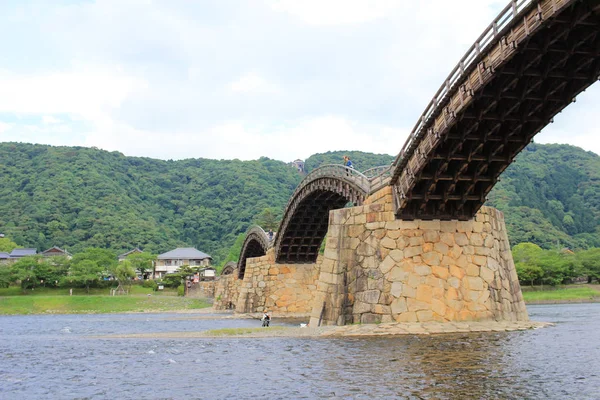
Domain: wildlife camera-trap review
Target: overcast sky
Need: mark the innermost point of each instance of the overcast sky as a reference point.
(226, 79)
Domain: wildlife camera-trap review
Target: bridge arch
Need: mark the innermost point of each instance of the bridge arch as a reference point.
(255, 244)
(527, 66)
(306, 216)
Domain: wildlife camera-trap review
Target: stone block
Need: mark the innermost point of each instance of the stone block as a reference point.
(427, 247)
(464, 226)
(397, 274)
(397, 255)
(416, 305)
(409, 292)
(438, 307)
(422, 270)
(432, 258)
(478, 226)
(381, 309)
(425, 316)
(486, 274)
(370, 318)
(416, 241)
(388, 243)
(441, 248)
(473, 270)
(387, 264)
(409, 225)
(461, 239)
(440, 272)
(379, 234)
(476, 239)
(407, 316)
(475, 283)
(413, 251)
(448, 226)
(396, 289)
(447, 238)
(454, 282)
(431, 236)
(424, 293)
(401, 242)
(360, 307)
(415, 280)
(369, 296)
(393, 226)
(430, 225)
(480, 260)
(393, 234)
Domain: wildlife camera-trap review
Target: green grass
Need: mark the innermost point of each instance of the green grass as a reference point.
(41, 303)
(566, 294)
(48, 291)
(239, 331)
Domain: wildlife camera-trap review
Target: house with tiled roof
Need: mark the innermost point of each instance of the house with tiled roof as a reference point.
(20, 253)
(4, 257)
(56, 251)
(123, 256)
(170, 261)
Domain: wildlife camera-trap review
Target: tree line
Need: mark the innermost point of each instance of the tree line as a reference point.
(77, 198)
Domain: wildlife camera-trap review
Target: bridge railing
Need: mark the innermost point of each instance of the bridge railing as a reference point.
(489, 36)
(378, 177)
(339, 171)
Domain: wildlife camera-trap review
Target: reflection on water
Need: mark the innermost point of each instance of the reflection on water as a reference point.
(53, 357)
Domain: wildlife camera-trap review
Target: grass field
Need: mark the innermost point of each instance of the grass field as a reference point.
(566, 294)
(58, 301)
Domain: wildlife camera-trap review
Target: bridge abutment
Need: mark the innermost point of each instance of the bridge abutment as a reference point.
(380, 269)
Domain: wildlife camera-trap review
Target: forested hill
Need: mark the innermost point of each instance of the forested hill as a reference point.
(550, 196)
(78, 197)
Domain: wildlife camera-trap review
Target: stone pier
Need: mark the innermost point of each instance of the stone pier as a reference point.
(378, 269)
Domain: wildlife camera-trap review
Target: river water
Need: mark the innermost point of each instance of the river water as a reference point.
(54, 357)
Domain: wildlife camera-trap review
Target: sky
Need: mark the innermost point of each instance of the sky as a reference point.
(226, 79)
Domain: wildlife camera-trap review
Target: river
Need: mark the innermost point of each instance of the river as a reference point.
(54, 357)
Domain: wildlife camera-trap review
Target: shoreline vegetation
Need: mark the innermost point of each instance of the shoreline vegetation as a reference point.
(144, 300)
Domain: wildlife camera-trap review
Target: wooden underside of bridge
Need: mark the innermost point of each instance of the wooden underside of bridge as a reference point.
(307, 218)
(531, 75)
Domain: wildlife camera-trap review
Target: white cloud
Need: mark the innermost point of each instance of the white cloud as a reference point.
(49, 120)
(336, 12)
(4, 126)
(281, 79)
(252, 83)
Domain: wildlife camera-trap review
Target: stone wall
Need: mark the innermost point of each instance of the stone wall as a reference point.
(280, 288)
(227, 291)
(379, 269)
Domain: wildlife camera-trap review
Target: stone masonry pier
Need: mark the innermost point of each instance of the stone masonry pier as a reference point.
(378, 269)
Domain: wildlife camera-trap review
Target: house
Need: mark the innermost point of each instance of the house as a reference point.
(124, 255)
(299, 165)
(19, 253)
(56, 251)
(208, 274)
(170, 261)
(4, 258)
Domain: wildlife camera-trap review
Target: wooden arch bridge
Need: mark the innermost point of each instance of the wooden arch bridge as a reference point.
(526, 67)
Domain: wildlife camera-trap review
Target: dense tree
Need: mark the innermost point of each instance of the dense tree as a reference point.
(124, 273)
(142, 262)
(590, 263)
(7, 245)
(75, 198)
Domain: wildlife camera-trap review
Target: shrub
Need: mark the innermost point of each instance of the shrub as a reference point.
(150, 283)
(181, 290)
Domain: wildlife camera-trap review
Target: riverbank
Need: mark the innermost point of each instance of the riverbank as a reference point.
(387, 329)
(582, 293)
(98, 304)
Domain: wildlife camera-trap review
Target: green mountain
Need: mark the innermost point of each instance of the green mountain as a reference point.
(550, 196)
(75, 197)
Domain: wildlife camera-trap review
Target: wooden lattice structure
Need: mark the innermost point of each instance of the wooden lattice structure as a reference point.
(530, 63)
(255, 244)
(306, 216)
